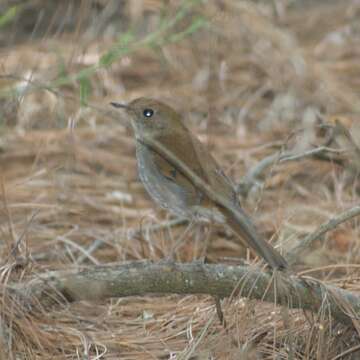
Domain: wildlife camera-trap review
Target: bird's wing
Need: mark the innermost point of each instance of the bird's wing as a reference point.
(182, 147)
(194, 154)
(216, 177)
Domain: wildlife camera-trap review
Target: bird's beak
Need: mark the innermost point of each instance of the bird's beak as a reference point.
(119, 105)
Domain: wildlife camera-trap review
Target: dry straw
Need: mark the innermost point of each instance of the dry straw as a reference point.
(271, 74)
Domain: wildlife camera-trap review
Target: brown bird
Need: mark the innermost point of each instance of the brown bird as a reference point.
(170, 185)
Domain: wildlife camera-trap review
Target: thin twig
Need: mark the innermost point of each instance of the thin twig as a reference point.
(78, 247)
(15, 248)
(291, 157)
(346, 352)
(252, 176)
(131, 233)
(306, 243)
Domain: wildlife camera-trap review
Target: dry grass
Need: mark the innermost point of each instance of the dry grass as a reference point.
(268, 76)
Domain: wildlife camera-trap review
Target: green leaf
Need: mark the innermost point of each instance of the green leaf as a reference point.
(9, 15)
(85, 90)
(120, 48)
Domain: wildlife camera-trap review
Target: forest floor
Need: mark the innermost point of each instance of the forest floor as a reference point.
(253, 79)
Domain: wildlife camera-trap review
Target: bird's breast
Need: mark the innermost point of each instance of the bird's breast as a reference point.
(165, 192)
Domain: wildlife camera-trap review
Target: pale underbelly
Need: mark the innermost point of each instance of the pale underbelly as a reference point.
(165, 192)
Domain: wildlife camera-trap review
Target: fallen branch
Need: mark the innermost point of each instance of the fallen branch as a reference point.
(141, 278)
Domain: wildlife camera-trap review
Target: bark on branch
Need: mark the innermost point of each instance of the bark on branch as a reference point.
(144, 277)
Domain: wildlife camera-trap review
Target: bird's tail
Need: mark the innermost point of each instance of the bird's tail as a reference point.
(241, 224)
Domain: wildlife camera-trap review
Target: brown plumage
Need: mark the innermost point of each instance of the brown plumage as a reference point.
(172, 189)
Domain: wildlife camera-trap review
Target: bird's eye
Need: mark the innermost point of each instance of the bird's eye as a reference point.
(148, 113)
